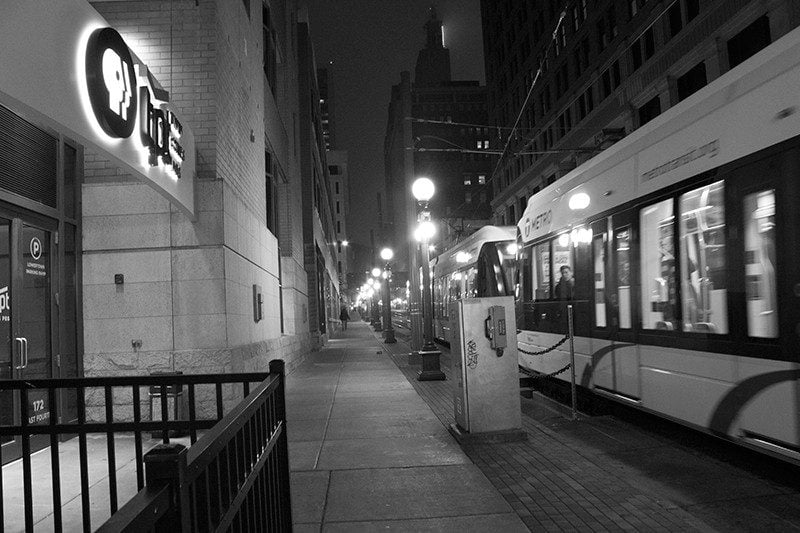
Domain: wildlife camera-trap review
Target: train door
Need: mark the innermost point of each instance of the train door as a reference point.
(27, 298)
(765, 288)
(615, 359)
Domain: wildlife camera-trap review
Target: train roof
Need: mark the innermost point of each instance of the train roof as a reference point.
(747, 109)
(446, 262)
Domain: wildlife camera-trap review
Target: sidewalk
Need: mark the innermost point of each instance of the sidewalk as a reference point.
(366, 452)
(369, 450)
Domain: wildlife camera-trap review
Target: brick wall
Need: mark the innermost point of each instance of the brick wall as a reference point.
(195, 278)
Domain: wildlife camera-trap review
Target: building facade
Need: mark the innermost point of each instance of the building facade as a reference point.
(120, 270)
(319, 230)
(338, 168)
(578, 80)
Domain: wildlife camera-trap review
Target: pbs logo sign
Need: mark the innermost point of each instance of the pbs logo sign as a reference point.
(111, 82)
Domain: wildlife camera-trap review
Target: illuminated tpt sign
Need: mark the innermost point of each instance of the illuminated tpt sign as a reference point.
(122, 95)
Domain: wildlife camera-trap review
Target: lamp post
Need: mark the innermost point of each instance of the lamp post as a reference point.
(371, 300)
(376, 312)
(388, 330)
(423, 190)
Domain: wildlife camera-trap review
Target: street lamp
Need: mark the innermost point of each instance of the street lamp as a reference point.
(376, 313)
(386, 255)
(423, 190)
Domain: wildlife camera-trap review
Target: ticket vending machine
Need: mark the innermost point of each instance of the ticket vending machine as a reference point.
(485, 370)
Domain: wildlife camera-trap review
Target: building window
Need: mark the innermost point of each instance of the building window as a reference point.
(481, 179)
(750, 40)
(649, 43)
(338, 226)
(271, 201)
(649, 111)
(334, 170)
(467, 180)
(602, 35)
(585, 104)
(336, 186)
(633, 7)
(338, 207)
(636, 55)
(675, 19)
(562, 80)
(692, 81)
(692, 9)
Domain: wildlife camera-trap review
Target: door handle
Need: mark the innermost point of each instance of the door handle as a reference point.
(25, 342)
(21, 350)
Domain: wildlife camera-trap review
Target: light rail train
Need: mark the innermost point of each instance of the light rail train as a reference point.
(480, 265)
(684, 241)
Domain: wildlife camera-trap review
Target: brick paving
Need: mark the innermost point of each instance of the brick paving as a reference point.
(604, 474)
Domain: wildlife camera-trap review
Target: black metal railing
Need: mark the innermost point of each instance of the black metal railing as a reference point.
(236, 477)
(88, 409)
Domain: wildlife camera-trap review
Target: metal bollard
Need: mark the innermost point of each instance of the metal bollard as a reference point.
(572, 363)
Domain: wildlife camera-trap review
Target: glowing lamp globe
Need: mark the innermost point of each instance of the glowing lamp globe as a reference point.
(423, 189)
(425, 231)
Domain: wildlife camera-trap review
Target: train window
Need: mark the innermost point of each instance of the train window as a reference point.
(760, 262)
(657, 255)
(562, 256)
(470, 287)
(704, 295)
(599, 249)
(541, 272)
(439, 297)
(623, 240)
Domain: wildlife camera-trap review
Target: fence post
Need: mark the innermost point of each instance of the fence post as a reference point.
(572, 363)
(278, 367)
(165, 464)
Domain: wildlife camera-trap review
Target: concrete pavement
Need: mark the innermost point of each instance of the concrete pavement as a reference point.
(366, 452)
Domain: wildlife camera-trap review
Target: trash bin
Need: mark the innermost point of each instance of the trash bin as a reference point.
(175, 404)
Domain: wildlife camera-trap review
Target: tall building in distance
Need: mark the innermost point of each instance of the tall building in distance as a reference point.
(338, 172)
(436, 128)
(327, 106)
(577, 78)
(340, 186)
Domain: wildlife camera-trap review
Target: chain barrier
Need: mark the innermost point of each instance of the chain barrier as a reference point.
(553, 347)
(550, 375)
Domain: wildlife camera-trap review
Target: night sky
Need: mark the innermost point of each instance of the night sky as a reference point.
(370, 42)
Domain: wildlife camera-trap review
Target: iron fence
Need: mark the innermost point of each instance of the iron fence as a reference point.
(235, 478)
(84, 408)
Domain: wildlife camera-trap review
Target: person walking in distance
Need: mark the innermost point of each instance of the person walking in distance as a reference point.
(344, 316)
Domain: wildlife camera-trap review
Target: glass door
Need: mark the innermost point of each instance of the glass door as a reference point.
(7, 370)
(26, 320)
